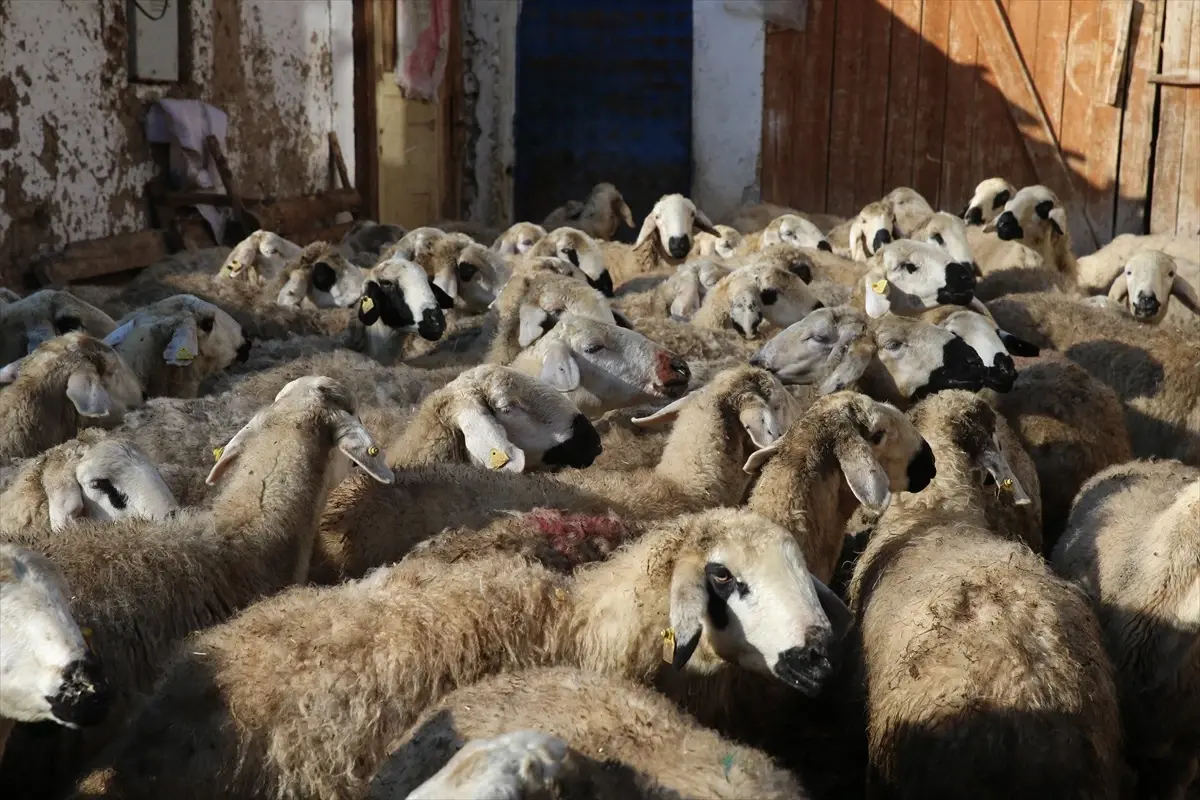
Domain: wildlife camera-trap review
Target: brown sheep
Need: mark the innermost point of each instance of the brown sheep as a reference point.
(599, 216)
(26, 323)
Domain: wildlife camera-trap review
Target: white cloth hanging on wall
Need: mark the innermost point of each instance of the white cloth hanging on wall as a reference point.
(184, 124)
(422, 44)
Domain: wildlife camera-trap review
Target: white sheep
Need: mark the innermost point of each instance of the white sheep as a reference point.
(1144, 288)
(367, 240)
(94, 476)
(581, 250)
(476, 278)
(1035, 217)
(600, 215)
(397, 299)
(793, 229)
(46, 669)
(861, 237)
(528, 306)
(1133, 545)
(989, 199)
(724, 244)
(26, 323)
(519, 239)
(907, 277)
(747, 297)
(909, 208)
(320, 277)
(664, 241)
(949, 233)
(322, 682)
(66, 383)
(259, 258)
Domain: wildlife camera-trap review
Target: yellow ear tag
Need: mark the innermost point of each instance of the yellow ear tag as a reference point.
(1006, 484)
(217, 453)
(235, 267)
(498, 459)
(372, 450)
(367, 304)
(879, 287)
(184, 354)
(668, 645)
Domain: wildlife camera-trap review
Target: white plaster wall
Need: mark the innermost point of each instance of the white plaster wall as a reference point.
(71, 136)
(727, 95)
(490, 90)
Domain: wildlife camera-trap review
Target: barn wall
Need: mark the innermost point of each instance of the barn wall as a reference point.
(71, 123)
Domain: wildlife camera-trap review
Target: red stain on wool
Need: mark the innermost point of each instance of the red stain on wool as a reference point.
(567, 532)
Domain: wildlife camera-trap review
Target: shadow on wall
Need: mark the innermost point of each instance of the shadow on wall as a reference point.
(876, 94)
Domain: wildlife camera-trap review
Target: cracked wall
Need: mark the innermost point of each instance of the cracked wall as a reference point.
(72, 148)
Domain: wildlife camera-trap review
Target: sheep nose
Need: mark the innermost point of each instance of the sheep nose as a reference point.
(922, 468)
(1002, 374)
(807, 668)
(673, 373)
(960, 285)
(323, 277)
(974, 215)
(1007, 227)
(82, 697)
(882, 237)
(1146, 305)
(678, 246)
(580, 450)
(432, 324)
(604, 283)
(824, 245)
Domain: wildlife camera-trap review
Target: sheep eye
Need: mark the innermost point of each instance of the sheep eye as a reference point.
(937, 237)
(1170, 274)
(769, 296)
(893, 346)
(877, 437)
(909, 267)
(821, 338)
(206, 324)
(593, 347)
(718, 573)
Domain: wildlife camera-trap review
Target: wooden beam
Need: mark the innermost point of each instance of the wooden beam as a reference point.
(235, 201)
(366, 130)
(339, 161)
(290, 214)
(1004, 56)
(1176, 79)
(1111, 81)
(96, 257)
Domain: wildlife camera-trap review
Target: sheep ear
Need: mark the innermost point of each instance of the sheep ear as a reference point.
(977, 305)
(668, 413)
(36, 334)
(1119, 290)
(184, 346)
(229, 453)
(88, 395)
(858, 241)
(626, 214)
(356, 443)
(759, 457)
(689, 602)
(532, 318)
(559, 368)
(1186, 293)
(447, 283)
(370, 304)
(11, 372)
(487, 441)
(622, 320)
(840, 617)
(993, 461)
(703, 223)
(444, 300)
(761, 425)
(1058, 220)
(863, 473)
(1017, 346)
(649, 225)
(687, 302)
(65, 499)
(119, 335)
(877, 302)
(854, 362)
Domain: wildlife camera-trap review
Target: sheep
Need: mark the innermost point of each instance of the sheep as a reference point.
(1144, 288)
(599, 216)
(259, 258)
(989, 199)
(751, 295)
(793, 229)
(99, 385)
(321, 682)
(367, 240)
(8, 296)
(397, 299)
(843, 438)
(755, 217)
(175, 344)
(320, 277)
(994, 346)
(476, 278)
(949, 233)
(1098, 270)
(581, 250)
(1133, 545)
(1153, 372)
(492, 414)
(715, 429)
(628, 742)
(528, 303)
(519, 239)
(1035, 216)
(47, 671)
(984, 673)
(907, 277)
(678, 296)
(25, 324)
(94, 476)
(144, 585)
(897, 360)
(862, 237)
(724, 244)
(909, 208)
(663, 242)
(833, 278)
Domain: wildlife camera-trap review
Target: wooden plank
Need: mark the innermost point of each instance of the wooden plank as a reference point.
(333, 233)
(1188, 217)
(1114, 74)
(873, 100)
(849, 81)
(1050, 60)
(1137, 127)
(1002, 152)
(958, 178)
(366, 132)
(931, 99)
(235, 200)
(902, 93)
(339, 161)
(1172, 110)
(106, 256)
(1023, 19)
(1176, 79)
(297, 213)
(452, 121)
(811, 106)
(777, 116)
(1015, 81)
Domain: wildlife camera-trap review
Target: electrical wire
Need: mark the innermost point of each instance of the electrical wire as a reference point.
(148, 15)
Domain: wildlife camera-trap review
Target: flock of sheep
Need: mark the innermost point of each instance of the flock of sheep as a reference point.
(790, 507)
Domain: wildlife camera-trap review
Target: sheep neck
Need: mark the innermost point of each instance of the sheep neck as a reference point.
(431, 438)
(272, 501)
(704, 455)
(37, 413)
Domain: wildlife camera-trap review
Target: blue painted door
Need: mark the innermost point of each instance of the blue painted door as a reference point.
(604, 93)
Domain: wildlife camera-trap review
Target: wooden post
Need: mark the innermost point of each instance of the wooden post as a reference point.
(235, 200)
(339, 161)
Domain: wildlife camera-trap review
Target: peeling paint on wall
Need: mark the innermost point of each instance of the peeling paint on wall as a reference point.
(490, 99)
(71, 130)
